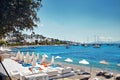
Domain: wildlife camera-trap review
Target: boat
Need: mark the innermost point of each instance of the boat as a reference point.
(85, 45)
(67, 46)
(76, 44)
(96, 45)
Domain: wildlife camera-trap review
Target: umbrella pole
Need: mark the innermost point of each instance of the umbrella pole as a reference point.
(5, 70)
(62, 76)
(90, 69)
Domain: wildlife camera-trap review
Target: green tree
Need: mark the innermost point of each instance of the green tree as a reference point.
(18, 15)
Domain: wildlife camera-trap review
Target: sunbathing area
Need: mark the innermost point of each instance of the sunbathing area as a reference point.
(59, 39)
(27, 67)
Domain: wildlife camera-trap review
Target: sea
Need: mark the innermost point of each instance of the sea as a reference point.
(109, 53)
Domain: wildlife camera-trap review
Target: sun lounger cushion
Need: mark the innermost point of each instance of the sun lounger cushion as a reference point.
(64, 70)
(108, 75)
(52, 73)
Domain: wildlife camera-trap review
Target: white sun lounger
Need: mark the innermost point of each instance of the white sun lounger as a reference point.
(39, 76)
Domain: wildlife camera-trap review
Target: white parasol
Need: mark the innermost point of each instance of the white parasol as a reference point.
(68, 60)
(52, 60)
(104, 62)
(28, 58)
(83, 62)
(43, 59)
(58, 57)
(18, 55)
(46, 55)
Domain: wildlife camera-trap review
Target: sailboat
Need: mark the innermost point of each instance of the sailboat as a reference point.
(96, 45)
(84, 44)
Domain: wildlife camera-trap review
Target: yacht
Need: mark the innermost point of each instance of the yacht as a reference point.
(84, 44)
(96, 45)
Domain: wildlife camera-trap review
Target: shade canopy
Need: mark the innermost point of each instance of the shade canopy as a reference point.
(58, 57)
(104, 62)
(32, 55)
(68, 60)
(83, 62)
(43, 59)
(37, 56)
(46, 55)
(21, 56)
(34, 62)
(52, 60)
(18, 55)
(28, 58)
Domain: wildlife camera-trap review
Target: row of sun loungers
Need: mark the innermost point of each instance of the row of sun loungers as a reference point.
(104, 74)
(54, 74)
(117, 77)
(108, 75)
(49, 73)
(83, 74)
(41, 73)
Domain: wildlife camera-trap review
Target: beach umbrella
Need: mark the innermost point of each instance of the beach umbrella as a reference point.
(22, 56)
(25, 60)
(83, 62)
(32, 55)
(104, 62)
(28, 58)
(52, 60)
(46, 55)
(34, 62)
(18, 55)
(58, 57)
(43, 59)
(68, 60)
(37, 56)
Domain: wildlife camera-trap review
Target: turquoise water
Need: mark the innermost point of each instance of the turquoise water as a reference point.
(93, 55)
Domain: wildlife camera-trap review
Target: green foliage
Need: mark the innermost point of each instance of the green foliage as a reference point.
(2, 42)
(15, 44)
(18, 15)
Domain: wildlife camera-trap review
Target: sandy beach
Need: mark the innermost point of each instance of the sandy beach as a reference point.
(75, 68)
(93, 72)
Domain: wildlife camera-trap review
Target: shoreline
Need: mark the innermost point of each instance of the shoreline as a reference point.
(7, 54)
(86, 67)
(32, 46)
(13, 54)
(75, 67)
(92, 70)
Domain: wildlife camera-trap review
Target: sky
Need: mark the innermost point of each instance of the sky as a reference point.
(80, 20)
